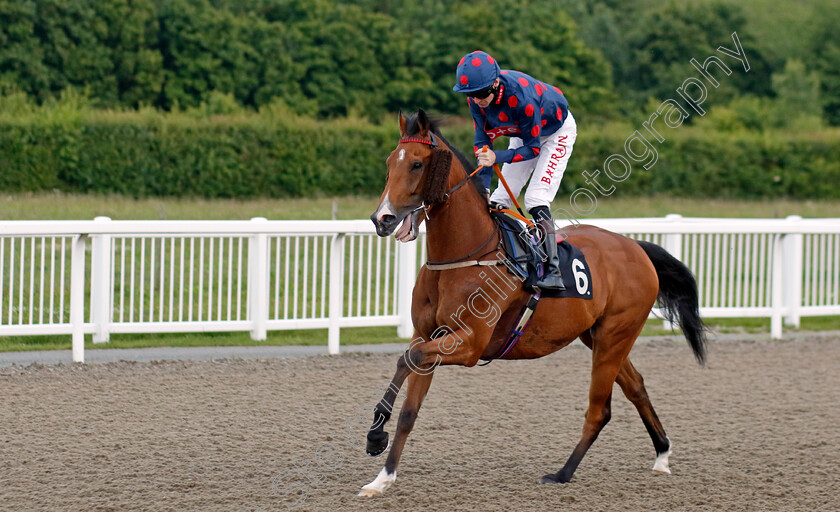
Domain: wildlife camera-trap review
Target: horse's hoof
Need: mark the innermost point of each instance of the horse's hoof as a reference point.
(550, 478)
(380, 484)
(376, 447)
(661, 465)
(554, 478)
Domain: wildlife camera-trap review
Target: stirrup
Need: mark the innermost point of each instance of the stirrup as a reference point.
(552, 280)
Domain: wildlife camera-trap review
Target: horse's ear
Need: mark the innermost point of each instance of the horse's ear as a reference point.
(437, 176)
(403, 125)
(423, 123)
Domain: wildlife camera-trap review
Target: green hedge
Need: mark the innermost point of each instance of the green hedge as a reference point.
(703, 163)
(141, 155)
(207, 158)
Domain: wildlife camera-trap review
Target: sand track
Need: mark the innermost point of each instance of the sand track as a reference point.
(757, 429)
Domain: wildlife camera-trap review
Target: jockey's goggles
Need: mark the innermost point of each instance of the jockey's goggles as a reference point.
(482, 93)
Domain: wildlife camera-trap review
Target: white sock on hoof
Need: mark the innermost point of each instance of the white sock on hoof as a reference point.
(661, 463)
(382, 481)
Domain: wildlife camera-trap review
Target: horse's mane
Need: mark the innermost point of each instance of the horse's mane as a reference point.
(413, 128)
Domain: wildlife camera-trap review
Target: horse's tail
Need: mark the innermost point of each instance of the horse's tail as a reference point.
(678, 297)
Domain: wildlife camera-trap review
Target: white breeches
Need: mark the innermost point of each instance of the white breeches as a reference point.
(546, 170)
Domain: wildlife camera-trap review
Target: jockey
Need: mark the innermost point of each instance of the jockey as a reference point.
(542, 131)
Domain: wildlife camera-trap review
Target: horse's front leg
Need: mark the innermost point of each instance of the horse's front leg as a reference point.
(418, 386)
(377, 438)
(417, 365)
(447, 346)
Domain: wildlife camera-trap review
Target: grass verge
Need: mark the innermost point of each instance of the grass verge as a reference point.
(354, 336)
(58, 206)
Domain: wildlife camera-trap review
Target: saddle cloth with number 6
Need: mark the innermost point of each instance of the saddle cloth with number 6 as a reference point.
(523, 259)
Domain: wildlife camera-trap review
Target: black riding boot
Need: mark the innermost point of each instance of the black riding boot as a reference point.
(552, 278)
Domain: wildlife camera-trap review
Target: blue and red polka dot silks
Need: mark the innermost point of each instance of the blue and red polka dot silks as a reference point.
(476, 71)
(525, 108)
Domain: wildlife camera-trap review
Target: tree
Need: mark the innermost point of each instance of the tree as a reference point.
(200, 51)
(534, 36)
(21, 55)
(71, 36)
(797, 90)
(131, 36)
(824, 57)
(666, 38)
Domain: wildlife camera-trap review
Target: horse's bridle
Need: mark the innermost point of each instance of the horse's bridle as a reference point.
(434, 144)
(427, 207)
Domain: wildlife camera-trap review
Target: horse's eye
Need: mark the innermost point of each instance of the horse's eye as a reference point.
(416, 165)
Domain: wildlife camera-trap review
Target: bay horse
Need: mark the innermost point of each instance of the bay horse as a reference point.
(424, 183)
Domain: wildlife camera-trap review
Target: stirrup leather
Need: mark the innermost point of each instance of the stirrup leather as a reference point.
(552, 278)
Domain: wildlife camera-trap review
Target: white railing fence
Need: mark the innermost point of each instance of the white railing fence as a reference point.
(102, 276)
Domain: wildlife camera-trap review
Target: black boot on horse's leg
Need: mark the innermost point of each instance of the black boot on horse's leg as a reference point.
(552, 278)
(377, 438)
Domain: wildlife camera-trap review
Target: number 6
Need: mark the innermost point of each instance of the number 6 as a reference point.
(581, 282)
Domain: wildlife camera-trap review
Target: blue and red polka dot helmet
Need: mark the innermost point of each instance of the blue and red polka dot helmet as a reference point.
(477, 70)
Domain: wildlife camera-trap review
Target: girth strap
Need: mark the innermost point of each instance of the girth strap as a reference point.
(518, 330)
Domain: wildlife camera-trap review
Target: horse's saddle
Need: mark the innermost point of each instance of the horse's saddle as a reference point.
(522, 248)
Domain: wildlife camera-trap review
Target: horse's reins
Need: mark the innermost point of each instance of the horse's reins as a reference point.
(528, 309)
(521, 215)
(459, 262)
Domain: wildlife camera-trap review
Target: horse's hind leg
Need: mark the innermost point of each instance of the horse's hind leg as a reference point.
(606, 362)
(633, 385)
